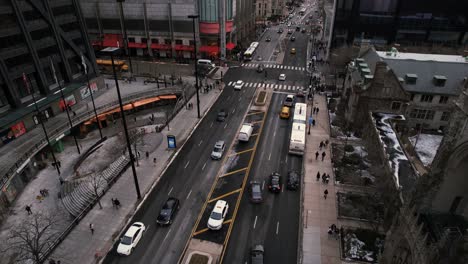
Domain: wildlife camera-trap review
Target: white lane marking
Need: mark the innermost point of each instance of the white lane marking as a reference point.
(229, 83)
(274, 134)
(211, 124)
(201, 141)
(255, 222)
(282, 188)
(169, 193)
(188, 195)
(269, 156)
(263, 185)
(229, 97)
(277, 227)
(186, 165)
(204, 165)
(167, 234)
(233, 110)
(225, 126)
(286, 159)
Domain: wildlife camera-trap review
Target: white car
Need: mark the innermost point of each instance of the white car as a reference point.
(282, 77)
(218, 150)
(238, 85)
(215, 222)
(131, 238)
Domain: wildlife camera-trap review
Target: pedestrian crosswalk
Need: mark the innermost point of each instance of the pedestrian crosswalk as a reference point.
(274, 86)
(274, 66)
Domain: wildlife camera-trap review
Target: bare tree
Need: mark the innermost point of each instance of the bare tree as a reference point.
(31, 239)
(97, 182)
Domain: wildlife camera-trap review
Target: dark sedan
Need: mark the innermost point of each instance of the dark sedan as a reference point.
(293, 180)
(168, 211)
(222, 115)
(275, 183)
(255, 192)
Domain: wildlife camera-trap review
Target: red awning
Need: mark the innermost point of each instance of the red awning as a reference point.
(210, 49)
(137, 45)
(230, 45)
(183, 47)
(160, 46)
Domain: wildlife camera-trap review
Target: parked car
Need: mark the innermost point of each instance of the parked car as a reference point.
(222, 115)
(218, 150)
(293, 180)
(289, 101)
(219, 212)
(280, 30)
(131, 238)
(275, 182)
(255, 192)
(293, 38)
(257, 254)
(282, 77)
(268, 39)
(168, 211)
(238, 85)
(293, 51)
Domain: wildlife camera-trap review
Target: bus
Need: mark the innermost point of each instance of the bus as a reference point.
(249, 53)
(298, 130)
(302, 11)
(106, 65)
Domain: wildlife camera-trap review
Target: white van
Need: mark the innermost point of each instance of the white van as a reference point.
(245, 132)
(205, 63)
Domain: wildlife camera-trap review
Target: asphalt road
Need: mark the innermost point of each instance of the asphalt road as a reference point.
(189, 179)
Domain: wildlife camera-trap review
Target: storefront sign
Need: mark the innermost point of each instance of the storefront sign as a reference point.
(85, 91)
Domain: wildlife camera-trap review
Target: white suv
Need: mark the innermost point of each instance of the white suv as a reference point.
(131, 238)
(215, 222)
(238, 85)
(218, 150)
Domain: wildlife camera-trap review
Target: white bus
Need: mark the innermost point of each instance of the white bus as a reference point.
(298, 130)
(249, 53)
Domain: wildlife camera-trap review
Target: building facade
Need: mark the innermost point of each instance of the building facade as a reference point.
(162, 29)
(414, 22)
(36, 36)
(432, 81)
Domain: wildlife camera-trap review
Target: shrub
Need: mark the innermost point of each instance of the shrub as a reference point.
(349, 148)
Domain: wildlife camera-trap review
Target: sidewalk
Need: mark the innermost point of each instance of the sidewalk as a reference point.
(79, 246)
(319, 213)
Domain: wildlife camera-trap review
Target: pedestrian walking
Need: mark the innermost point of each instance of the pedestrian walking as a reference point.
(324, 177)
(327, 179)
(330, 231)
(113, 203)
(59, 164)
(323, 155)
(117, 203)
(91, 227)
(318, 175)
(313, 122)
(321, 145)
(134, 118)
(325, 193)
(28, 209)
(326, 142)
(74, 113)
(138, 154)
(313, 111)
(147, 154)
(317, 110)
(316, 155)
(154, 161)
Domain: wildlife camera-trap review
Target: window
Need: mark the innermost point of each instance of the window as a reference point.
(167, 41)
(178, 42)
(426, 98)
(430, 114)
(131, 40)
(144, 40)
(155, 41)
(412, 97)
(443, 99)
(445, 116)
(396, 105)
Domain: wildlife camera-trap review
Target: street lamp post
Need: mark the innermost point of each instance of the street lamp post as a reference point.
(30, 88)
(64, 103)
(193, 17)
(111, 51)
(85, 68)
(124, 29)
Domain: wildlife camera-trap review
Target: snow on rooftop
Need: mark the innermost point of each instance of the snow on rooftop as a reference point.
(426, 147)
(390, 142)
(421, 57)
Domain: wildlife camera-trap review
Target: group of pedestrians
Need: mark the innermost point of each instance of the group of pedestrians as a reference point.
(317, 154)
(325, 177)
(333, 231)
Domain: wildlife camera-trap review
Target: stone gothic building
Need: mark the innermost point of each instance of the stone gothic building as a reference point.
(431, 227)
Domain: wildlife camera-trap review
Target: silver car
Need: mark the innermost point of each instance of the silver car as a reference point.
(218, 150)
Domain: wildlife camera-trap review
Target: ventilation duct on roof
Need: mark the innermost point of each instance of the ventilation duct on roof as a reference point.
(439, 80)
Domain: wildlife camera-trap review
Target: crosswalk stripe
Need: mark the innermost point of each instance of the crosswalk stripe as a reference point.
(280, 86)
(302, 69)
(243, 64)
(276, 86)
(229, 83)
(268, 86)
(289, 87)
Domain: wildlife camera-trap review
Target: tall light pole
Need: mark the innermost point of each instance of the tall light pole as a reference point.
(64, 103)
(125, 39)
(85, 69)
(193, 17)
(30, 88)
(111, 51)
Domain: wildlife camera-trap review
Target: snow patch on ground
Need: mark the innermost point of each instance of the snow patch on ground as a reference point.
(426, 147)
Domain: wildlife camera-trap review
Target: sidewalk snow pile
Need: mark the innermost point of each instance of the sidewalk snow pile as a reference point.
(426, 147)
